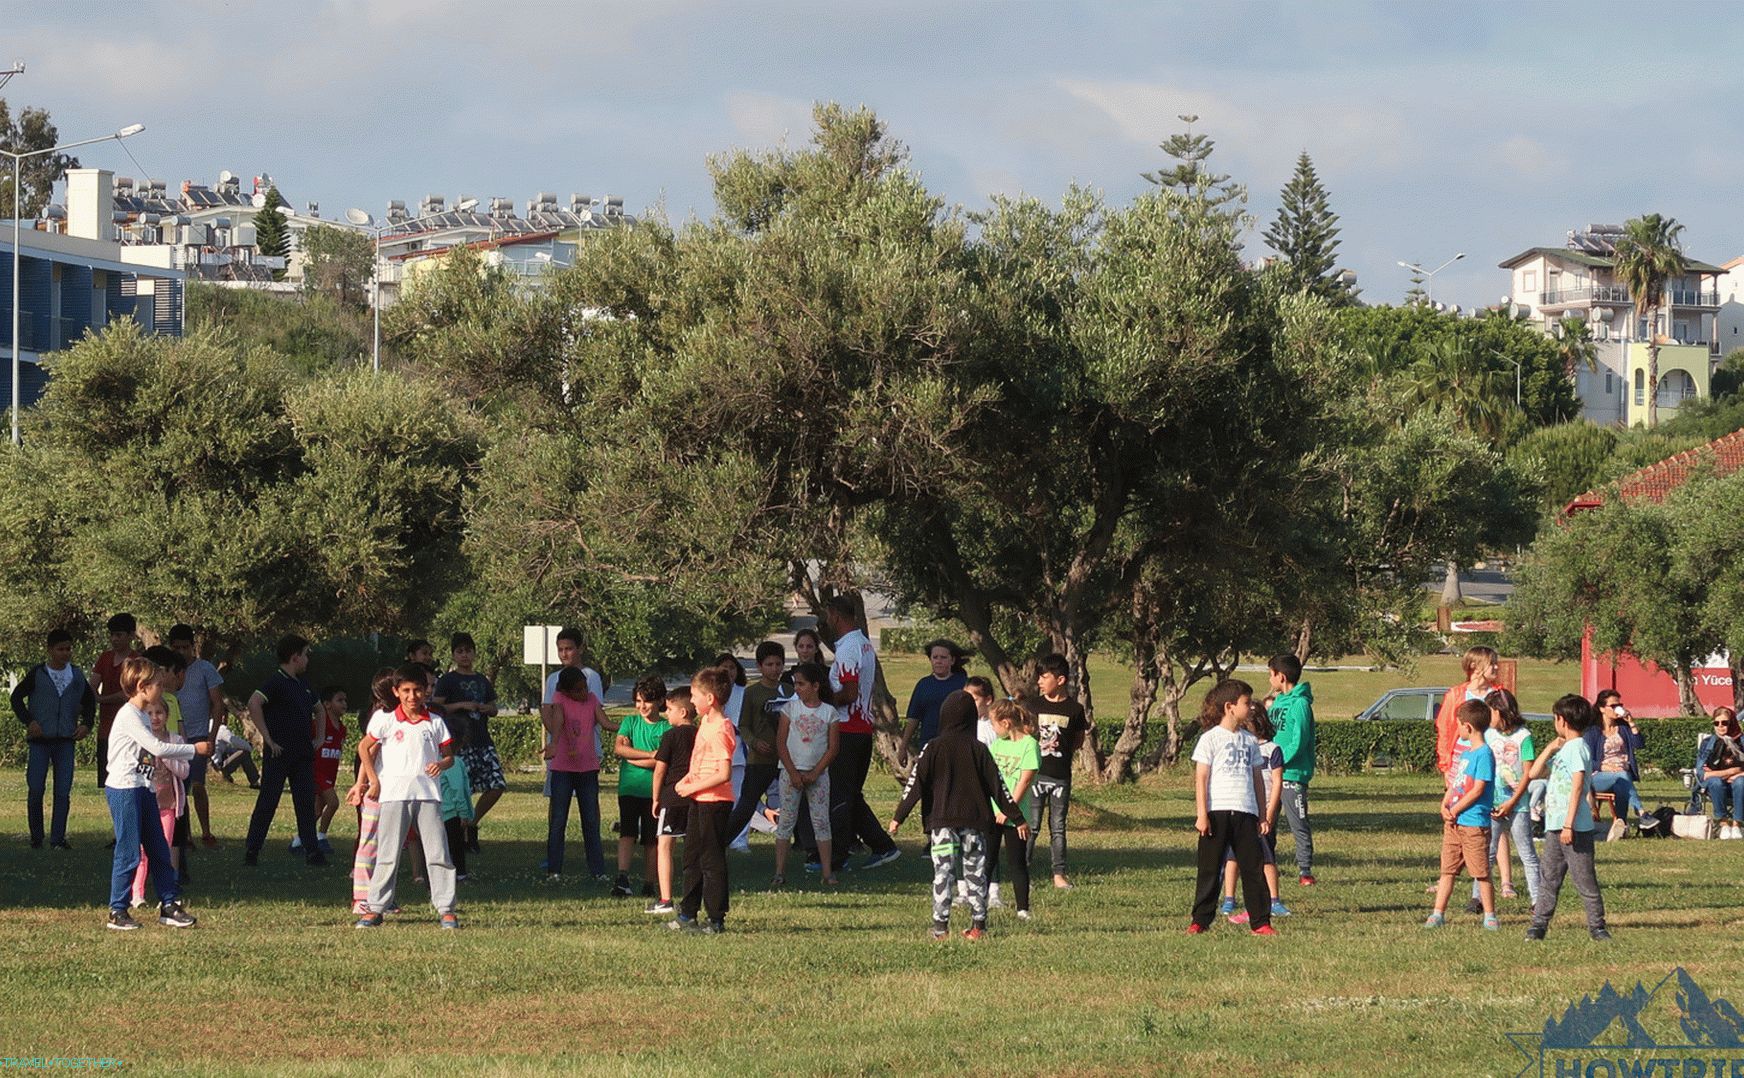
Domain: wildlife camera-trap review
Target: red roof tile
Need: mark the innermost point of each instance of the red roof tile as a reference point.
(1652, 483)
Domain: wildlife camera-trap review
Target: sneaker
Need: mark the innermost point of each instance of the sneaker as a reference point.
(777, 882)
(714, 928)
(1492, 922)
(1023, 915)
(974, 934)
(173, 915)
(1279, 909)
(1265, 930)
(813, 866)
(63, 844)
(681, 923)
(553, 877)
(36, 843)
(1435, 920)
(1195, 929)
(878, 860)
(621, 888)
(1617, 831)
(1474, 906)
(462, 877)
(1305, 880)
(1238, 918)
(739, 847)
(368, 920)
(940, 934)
(394, 910)
(1534, 933)
(1647, 822)
(121, 921)
(658, 908)
(1600, 935)
(321, 844)
(450, 921)
(994, 902)
(296, 844)
(316, 859)
(1227, 907)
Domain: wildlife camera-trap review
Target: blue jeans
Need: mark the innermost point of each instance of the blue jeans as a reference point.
(584, 787)
(1618, 783)
(44, 755)
(134, 813)
(1717, 795)
(1518, 824)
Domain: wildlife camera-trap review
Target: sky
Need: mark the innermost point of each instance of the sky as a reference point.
(1437, 129)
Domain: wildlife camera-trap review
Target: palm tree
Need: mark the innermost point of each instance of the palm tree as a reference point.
(1576, 348)
(1453, 376)
(1650, 253)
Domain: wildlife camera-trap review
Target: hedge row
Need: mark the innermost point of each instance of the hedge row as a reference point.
(1345, 746)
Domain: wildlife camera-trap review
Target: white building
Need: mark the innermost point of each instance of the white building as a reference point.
(1549, 284)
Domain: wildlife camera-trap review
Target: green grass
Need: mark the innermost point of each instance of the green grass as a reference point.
(1103, 981)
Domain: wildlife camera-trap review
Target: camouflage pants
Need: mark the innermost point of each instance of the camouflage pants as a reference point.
(947, 843)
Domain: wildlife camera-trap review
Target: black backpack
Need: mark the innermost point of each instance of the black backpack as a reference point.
(1664, 814)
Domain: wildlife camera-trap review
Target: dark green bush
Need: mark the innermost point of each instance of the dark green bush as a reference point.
(1344, 746)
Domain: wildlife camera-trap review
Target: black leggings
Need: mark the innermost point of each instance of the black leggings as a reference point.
(456, 829)
(1017, 861)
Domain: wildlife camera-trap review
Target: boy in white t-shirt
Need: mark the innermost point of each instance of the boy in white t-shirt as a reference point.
(1228, 788)
(414, 748)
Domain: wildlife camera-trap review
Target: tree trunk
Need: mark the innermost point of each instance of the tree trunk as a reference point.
(1304, 640)
(1652, 371)
(1450, 586)
(973, 612)
(1735, 662)
(1171, 689)
(1091, 760)
(1687, 702)
(1122, 759)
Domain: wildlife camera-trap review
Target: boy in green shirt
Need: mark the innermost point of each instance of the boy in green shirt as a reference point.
(759, 724)
(638, 739)
(1292, 713)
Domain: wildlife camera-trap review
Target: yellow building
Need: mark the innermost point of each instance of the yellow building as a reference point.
(1684, 374)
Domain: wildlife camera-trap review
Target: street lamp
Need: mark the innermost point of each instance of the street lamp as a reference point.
(1429, 275)
(362, 219)
(17, 243)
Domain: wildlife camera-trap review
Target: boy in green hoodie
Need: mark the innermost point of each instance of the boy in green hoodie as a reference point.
(1292, 712)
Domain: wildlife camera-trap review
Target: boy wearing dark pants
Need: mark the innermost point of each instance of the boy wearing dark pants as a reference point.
(1228, 789)
(709, 787)
(57, 707)
(638, 747)
(1568, 820)
(957, 783)
(1292, 713)
(757, 727)
(1060, 732)
(1465, 814)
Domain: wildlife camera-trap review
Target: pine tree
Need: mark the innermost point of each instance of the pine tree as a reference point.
(1191, 177)
(1305, 235)
(1415, 294)
(271, 236)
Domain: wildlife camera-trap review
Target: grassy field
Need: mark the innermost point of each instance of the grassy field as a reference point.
(1103, 981)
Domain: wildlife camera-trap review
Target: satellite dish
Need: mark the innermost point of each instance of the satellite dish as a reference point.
(259, 200)
(358, 217)
(226, 176)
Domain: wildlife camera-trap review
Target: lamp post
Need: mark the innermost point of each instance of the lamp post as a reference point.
(1429, 275)
(17, 242)
(1517, 370)
(363, 219)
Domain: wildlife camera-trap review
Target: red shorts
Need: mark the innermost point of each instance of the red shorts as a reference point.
(326, 774)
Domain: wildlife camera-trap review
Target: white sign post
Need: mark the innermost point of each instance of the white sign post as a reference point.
(539, 648)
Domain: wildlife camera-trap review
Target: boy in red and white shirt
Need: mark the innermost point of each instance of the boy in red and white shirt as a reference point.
(414, 747)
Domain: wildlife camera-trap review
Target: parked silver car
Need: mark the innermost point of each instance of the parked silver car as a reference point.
(1419, 705)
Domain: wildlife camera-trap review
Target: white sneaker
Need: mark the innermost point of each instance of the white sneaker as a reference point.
(993, 903)
(1618, 830)
(1023, 915)
(1731, 830)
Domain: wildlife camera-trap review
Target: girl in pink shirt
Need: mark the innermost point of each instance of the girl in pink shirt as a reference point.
(573, 762)
(166, 780)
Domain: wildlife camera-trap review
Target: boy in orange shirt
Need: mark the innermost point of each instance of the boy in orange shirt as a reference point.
(709, 786)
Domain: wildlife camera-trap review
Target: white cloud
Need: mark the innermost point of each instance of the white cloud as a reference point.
(769, 119)
(1530, 158)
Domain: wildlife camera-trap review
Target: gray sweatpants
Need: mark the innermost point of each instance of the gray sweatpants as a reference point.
(1296, 812)
(1557, 861)
(947, 843)
(398, 817)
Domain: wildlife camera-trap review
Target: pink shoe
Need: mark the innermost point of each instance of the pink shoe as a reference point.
(1238, 918)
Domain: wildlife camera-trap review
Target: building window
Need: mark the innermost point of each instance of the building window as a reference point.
(1640, 386)
(1529, 281)
(1609, 386)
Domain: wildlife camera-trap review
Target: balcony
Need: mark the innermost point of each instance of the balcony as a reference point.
(1580, 297)
(1690, 297)
(62, 332)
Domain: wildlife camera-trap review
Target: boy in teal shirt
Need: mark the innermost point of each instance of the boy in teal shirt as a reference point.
(638, 739)
(1292, 715)
(1465, 814)
(1568, 820)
